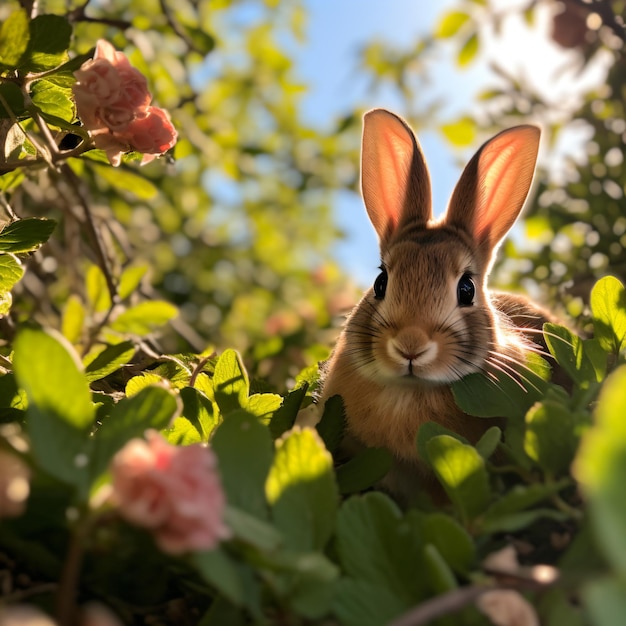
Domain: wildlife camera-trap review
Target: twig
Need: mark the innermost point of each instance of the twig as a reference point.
(78, 15)
(532, 578)
(441, 605)
(175, 26)
(198, 369)
(68, 584)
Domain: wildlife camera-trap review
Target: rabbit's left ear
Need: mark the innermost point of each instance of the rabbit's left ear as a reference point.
(394, 176)
(494, 185)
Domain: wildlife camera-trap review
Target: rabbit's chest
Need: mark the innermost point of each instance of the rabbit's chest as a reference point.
(390, 416)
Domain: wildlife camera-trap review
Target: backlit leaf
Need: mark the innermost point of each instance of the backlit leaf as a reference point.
(450, 24)
(144, 318)
(469, 50)
(14, 38)
(462, 473)
(301, 490)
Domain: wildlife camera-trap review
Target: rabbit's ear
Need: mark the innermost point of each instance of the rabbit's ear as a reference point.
(394, 177)
(493, 187)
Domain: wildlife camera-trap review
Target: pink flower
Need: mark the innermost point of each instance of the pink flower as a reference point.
(175, 492)
(152, 134)
(14, 485)
(113, 103)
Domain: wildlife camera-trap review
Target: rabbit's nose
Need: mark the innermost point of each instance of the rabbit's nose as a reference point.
(413, 345)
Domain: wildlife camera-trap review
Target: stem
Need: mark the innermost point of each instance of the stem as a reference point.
(198, 369)
(68, 585)
(439, 606)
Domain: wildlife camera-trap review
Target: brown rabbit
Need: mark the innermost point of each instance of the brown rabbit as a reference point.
(429, 318)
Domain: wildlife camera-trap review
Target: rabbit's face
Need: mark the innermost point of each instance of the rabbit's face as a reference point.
(430, 318)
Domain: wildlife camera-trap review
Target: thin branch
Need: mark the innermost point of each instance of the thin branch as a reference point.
(531, 578)
(439, 606)
(175, 26)
(78, 15)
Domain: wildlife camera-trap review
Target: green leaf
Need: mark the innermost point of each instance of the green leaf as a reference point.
(264, 405)
(285, 417)
(6, 300)
(461, 471)
(333, 423)
(252, 530)
(468, 51)
(137, 383)
(313, 586)
(97, 291)
(14, 36)
(53, 100)
(221, 571)
(25, 235)
(182, 433)
(450, 24)
(131, 279)
(377, 546)
(514, 522)
(608, 308)
(461, 133)
(501, 394)
(129, 181)
(153, 407)
(11, 271)
(488, 443)
(568, 350)
(364, 470)
(230, 382)
(60, 412)
(550, 438)
(244, 449)
(452, 541)
(48, 370)
(144, 318)
(363, 603)
(600, 467)
(198, 409)
(12, 97)
(427, 431)
(48, 44)
(301, 490)
(605, 601)
(508, 513)
(108, 360)
(438, 572)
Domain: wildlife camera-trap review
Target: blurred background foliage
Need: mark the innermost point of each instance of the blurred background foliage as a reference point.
(238, 228)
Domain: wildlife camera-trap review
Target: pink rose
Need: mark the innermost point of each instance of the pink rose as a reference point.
(14, 485)
(175, 492)
(113, 103)
(152, 134)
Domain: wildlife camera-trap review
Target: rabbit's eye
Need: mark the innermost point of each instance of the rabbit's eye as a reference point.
(380, 285)
(465, 290)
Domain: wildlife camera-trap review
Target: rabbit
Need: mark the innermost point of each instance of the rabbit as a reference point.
(429, 318)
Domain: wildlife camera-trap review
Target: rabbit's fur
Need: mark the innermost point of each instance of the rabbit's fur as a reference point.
(421, 328)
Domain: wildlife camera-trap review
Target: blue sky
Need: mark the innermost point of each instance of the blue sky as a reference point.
(328, 63)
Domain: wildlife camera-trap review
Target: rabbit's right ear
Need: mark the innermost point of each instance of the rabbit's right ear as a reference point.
(394, 177)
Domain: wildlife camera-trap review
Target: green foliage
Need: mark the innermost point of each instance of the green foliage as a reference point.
(223, 240)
